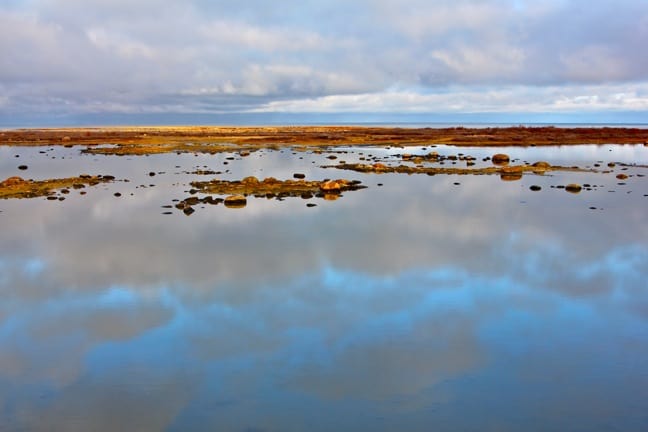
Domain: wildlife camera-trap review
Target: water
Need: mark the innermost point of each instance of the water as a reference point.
(420, 304)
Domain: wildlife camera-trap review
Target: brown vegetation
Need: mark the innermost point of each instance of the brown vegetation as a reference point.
(16, 187)
(271, 187)
(507, 172)
(149, 140)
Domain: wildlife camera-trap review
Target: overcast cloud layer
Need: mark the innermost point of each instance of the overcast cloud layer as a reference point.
(72, 57)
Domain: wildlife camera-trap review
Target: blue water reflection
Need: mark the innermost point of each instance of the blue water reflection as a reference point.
(420, 348)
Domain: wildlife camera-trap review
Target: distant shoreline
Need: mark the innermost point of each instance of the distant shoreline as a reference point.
(164, 139)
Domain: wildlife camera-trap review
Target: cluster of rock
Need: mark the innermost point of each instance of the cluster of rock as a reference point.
(508, 172)
(17, 187)
(237, 192)
(500, 165)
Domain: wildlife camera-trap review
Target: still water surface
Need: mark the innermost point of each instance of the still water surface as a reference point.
(420, 304)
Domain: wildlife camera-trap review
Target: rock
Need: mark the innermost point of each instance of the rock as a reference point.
(511, 173)
(13, 181)
(188, 211)
(500, 159)
(311, 205)
(299, 176)
(535, 188)
(510, 177)
(152, 174)
(511, 170)
(66, 139)
(379, 166)
(117, 194)
(22, 167)
(251, 180)
(235, 201)
(542, 165)
(573, 188)
(331, 196)
(622, 176)
(331, 186)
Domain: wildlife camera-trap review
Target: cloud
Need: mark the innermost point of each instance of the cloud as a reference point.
(97, 56)
(458, 99)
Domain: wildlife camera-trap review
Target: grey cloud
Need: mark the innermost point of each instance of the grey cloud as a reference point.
(101, 56)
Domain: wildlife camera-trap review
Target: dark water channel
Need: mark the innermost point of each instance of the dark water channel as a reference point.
(422, 302)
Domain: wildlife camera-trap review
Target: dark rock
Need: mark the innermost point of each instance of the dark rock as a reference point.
(535, 188)
(235, 201)
(299, 176)
(573, 188)
(23, 167)
(500, 159)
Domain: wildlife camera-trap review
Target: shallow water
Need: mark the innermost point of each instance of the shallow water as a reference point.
(420, 304)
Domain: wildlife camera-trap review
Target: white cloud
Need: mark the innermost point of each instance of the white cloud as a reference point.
(482, 99)
(196, 56)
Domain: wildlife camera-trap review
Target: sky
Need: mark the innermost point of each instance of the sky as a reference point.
(106, 61)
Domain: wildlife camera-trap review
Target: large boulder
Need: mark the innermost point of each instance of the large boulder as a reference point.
(500, 159)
